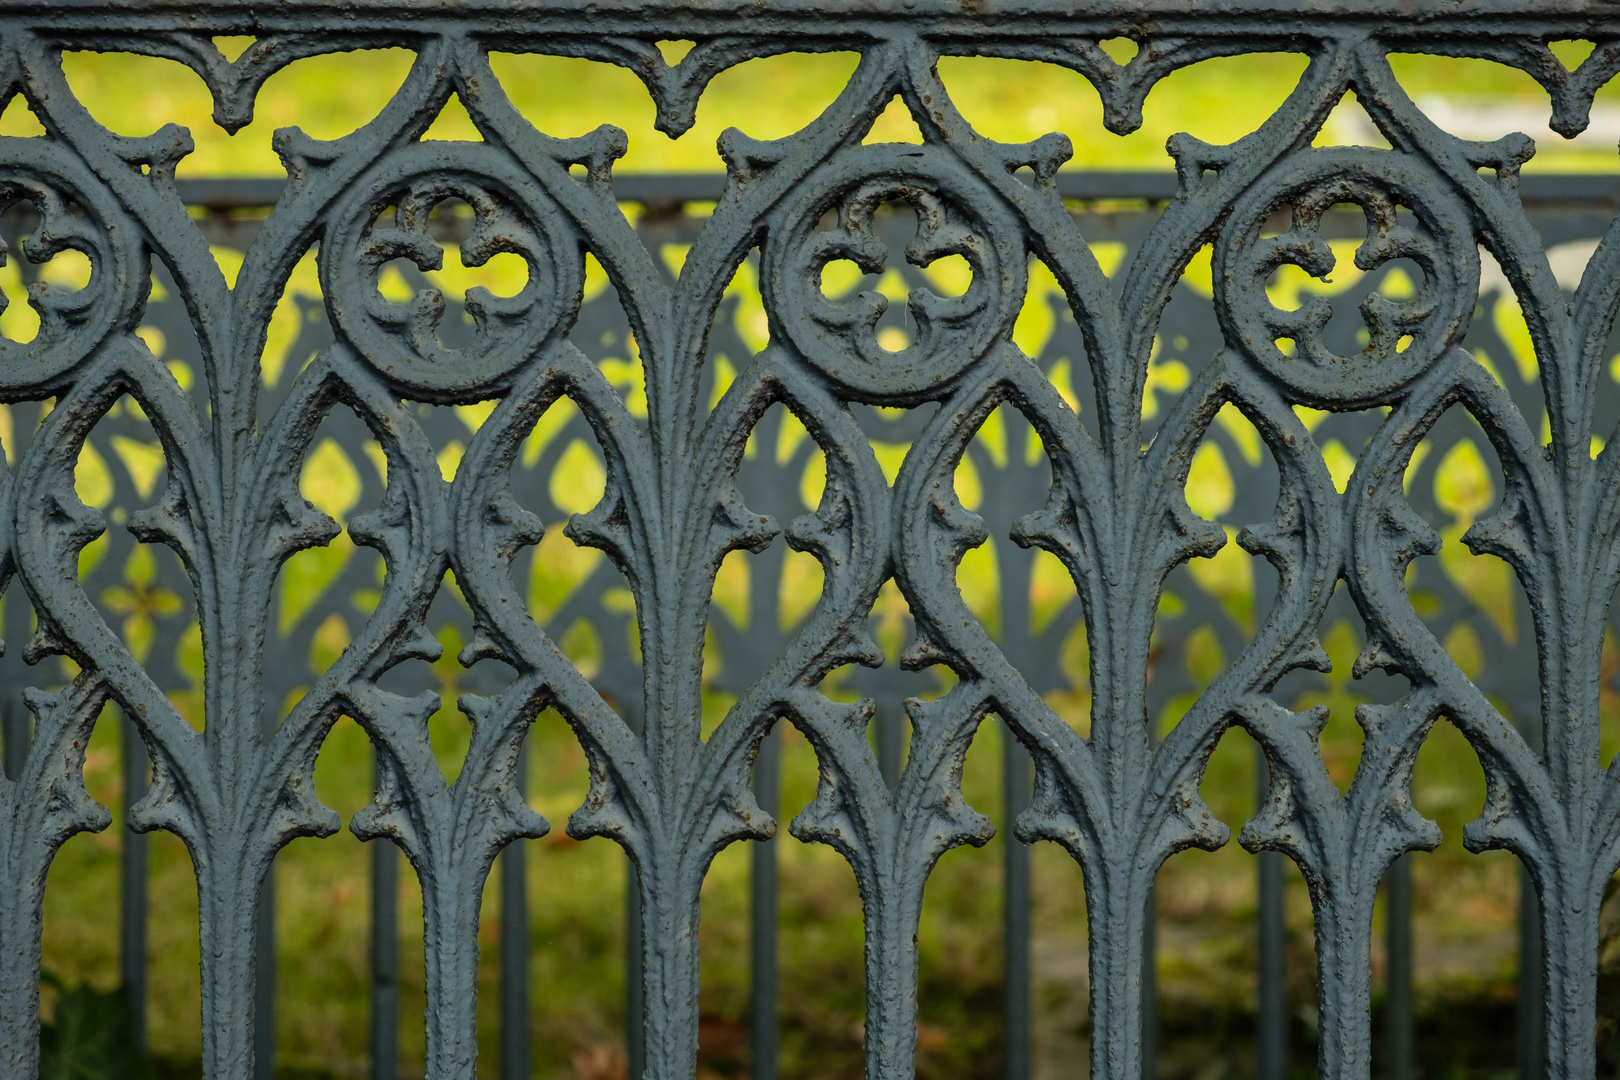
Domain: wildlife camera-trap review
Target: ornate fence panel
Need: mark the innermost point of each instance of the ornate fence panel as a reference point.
(1079, 452)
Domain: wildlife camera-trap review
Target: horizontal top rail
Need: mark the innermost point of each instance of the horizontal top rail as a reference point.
(663, 189)
(910, 10)
(848, 18)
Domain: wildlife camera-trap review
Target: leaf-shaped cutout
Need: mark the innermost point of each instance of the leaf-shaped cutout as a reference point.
(978, 578)
(1342, 737)
(1349, 125)
(578, 479)
(18, 119)
(1226, 788)
(894, 124)
(1465, 489)
(1218, 99)
(771, 97)
(1508, 93)
(134, 95)
(558, 568)
(453, 124)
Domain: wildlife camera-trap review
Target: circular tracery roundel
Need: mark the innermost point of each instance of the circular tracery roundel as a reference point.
(386, 217)
(839, 337)
(1403, 336)
(73, 215)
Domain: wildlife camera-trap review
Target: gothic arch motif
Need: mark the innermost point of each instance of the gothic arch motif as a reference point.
(1120, 800)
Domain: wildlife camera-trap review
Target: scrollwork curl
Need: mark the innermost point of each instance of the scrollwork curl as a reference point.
(75, 214)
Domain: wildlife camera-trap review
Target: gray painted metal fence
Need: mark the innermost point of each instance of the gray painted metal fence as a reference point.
(1096, 480)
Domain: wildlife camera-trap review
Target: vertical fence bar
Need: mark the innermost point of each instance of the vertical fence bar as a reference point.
(1017, 775)
(15, 729)
(635, 1003)
(1271, 1021)
(384, 957)
(515, 946)
(635, 998)
(1532, 1023)
(264, 967)
(890, 724)
(384, 960)
(14, 732)
(133, 874)
(762, 1023)
(1150, 987)
(16, 613)
(264, 979)
(889, 731)
(1398, 989)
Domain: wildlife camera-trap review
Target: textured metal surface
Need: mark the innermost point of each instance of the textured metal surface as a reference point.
(1105, 487)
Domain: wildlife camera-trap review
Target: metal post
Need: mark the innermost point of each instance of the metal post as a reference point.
(264, 979)
(133, 872)
(763, 1021)
(635, 995)
(1271, 1021)
(1013, 564)
(515, 948)
(1398, 988)
(890, 723)
(1150, 987)
(1532, 1020)
(1017, 1014)
(384, 960)
(15, 729)
(635, 1036)
(264, 966)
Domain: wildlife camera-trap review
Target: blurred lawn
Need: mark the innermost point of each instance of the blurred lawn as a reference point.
(1465, 916)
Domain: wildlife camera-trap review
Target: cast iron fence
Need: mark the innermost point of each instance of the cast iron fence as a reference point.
(1090, 470)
